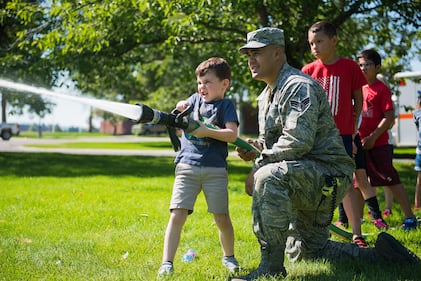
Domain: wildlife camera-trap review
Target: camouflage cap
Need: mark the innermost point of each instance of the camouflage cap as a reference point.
(263, 37)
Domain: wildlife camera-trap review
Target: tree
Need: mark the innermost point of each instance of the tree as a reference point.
(18, 59)
(147, 50)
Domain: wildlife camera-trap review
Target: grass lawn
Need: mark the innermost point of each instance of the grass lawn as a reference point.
(84, 217)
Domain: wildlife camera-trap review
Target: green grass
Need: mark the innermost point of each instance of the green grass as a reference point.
(408, 151)
(84, 217)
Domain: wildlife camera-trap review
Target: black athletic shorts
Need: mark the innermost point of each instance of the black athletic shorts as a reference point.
(359, 157)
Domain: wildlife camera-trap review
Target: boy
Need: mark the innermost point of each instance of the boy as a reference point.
(201, 163)
(377, 117)
(342, 80)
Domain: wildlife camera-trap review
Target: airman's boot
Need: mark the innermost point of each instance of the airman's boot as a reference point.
(271, 264)
(391, 250)
(341, 251)
(387, 249)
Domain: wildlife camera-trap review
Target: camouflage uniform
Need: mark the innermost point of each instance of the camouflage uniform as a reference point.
(301, 146)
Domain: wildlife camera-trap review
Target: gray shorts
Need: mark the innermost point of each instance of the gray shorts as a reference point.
(190, 180)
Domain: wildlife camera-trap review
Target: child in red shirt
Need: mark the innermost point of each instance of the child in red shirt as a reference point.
(377, 117)
(342, 80)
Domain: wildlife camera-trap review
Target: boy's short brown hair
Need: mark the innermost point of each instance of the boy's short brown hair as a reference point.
(323, 26)
(220, 67)
(371, 55)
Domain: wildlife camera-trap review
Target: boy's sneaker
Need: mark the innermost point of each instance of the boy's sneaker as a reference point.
(360, 242)
(341, 224)
(387, 212)
(391, 250)
(380, 224)
(231, 263)
(410, 224)
(166, 269)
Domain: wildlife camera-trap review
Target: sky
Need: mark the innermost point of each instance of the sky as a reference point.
(73, 114)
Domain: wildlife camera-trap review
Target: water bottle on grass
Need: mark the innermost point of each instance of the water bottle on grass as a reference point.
(189, 255)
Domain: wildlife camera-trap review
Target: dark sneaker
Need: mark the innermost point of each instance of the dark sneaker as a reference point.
(410, 224)
(166, 269)
(231, 264)
(391, 250)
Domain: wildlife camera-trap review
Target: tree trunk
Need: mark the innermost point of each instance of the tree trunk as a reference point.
(3, 108)
(90, 127)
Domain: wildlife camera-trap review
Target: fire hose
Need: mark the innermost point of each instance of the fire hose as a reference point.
(180, 120)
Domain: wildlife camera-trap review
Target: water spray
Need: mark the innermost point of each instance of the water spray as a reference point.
(130, 111)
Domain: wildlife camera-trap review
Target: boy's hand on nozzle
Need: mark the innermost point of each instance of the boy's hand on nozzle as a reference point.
(182, 105)
(201, 131)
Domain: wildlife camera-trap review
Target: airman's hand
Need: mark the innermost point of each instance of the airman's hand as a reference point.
(249, 155)
(249, 186)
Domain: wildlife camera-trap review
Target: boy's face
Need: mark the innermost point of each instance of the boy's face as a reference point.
(368, 68)
(321, 45)
(210, 87)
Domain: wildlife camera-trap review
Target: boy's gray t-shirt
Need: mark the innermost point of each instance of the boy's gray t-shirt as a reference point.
(206, 151)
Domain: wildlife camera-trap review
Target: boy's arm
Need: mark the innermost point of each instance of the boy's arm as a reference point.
(357, 97)
(384, 125)
(228, 134)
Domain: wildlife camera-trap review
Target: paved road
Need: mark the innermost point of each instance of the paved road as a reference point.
(21, 144)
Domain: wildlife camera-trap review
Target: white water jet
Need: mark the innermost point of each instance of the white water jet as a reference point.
(131, 111)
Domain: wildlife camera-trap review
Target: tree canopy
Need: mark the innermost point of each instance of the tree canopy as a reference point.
(147, 50)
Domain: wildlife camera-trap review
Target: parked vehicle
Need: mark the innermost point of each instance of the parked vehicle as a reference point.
(149, 129)
(7, 130)
(404, 131)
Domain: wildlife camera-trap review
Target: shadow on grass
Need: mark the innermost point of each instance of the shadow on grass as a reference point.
(356, 270)
(67, 165)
